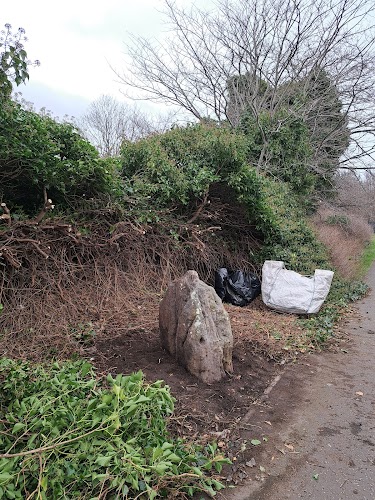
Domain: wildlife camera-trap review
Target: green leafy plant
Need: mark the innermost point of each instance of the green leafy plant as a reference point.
(38, 152)
(13, 59)
(320, 328)
(178, 167)
(84, 333)
(64, 433)
(278, 143)
(281, 219)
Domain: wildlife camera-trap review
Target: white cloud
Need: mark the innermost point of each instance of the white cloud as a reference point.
(77, 40)
(61, 103)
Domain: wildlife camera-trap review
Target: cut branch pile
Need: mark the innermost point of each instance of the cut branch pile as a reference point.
(62, 284)
(6, 214)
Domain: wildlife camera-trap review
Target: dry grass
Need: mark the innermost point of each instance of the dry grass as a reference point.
(60, 287)
(345, 235)
(272, 334)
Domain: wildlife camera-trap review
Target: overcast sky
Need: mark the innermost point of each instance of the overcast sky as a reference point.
(75, 41)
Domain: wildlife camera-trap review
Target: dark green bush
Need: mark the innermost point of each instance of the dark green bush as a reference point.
(38, 152)
(177, 167)
(279, 145)
(280, 217)
(172, 169)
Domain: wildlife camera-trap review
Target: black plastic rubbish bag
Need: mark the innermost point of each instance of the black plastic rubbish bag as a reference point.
(236, 287)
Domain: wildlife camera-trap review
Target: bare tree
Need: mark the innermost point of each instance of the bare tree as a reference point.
(108, 122)
(257, 55)
(356, 194)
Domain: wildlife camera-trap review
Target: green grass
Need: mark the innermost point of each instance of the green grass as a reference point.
(320, 327)
(367, 258)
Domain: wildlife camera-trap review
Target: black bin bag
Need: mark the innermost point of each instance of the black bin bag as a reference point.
(236, 287)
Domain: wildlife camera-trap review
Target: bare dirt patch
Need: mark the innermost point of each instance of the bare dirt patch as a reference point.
(95, 291)
(236, 411)
(217, 411)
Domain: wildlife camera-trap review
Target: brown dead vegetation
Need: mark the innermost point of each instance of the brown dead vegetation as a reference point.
(65, 286)
(94, 290)
(345, 235)
(61, 285)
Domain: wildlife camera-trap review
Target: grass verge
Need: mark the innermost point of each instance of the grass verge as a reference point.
(367, 258)
(320, 328)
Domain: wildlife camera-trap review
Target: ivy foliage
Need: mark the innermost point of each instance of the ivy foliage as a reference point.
(279, 145)
(38, 152)
(296, 132)
(327, 125)
(281, 218)
(64, 433)
(176, 167)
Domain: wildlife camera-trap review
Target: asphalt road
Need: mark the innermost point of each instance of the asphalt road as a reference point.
(328, 408)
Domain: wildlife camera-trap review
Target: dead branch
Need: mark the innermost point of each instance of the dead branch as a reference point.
(93, 280)
(199, 210)
(6, 215)
(210, 229)
(36, 245)
(48, 205)
(10, 257)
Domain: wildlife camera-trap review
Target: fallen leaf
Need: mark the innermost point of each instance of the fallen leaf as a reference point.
(255, 442)
(251, 463)
(289, 446)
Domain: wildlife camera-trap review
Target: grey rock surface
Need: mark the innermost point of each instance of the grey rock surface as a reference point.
(195, 328)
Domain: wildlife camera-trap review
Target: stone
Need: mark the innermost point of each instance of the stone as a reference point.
(195, 328)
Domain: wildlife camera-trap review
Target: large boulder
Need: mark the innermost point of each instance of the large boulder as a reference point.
(195, 328)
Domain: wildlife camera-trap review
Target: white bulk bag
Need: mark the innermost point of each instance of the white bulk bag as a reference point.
(288, 291)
